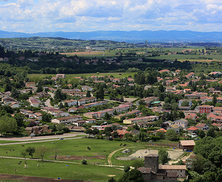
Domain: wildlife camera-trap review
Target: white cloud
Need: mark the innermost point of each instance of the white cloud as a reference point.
(88, 15)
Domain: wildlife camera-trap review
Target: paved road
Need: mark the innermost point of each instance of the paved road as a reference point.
(23, 139)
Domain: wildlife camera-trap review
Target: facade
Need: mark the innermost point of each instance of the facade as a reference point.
(186, 144)
(205, 109)
(182, 123)
(153, 172)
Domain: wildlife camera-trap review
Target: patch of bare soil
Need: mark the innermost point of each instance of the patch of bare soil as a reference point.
(34, 179)
(80, 157)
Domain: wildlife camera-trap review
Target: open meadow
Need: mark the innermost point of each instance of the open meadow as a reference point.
(72, 76)
(71, 152)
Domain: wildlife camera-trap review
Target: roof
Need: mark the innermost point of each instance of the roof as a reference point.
(192, 128)
(176, 167)
(187, 142)
(200, 125)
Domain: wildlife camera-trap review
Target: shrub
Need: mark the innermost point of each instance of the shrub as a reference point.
(84, 162)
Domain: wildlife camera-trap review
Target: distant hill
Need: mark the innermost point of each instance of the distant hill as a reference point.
(127, 36)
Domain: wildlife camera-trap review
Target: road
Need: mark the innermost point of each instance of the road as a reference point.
(47, 102)
(43, 138)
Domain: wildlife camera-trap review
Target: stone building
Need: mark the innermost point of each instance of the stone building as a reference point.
(154, 172)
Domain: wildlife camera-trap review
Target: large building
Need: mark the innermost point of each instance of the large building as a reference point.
(153, 171)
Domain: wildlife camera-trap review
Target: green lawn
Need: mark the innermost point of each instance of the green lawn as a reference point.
(59, 170)
(116, 75)
(100, 150)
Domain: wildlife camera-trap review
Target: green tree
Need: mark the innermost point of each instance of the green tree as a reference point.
(107, 116)
(214, 101)
(19, 119)
(30, 151)
(88, 94)
(132, 176)
(160, 134)
(201, 134)
(211, 132)
(55, 152)
(197, 164)
(115, 134)
(171, 135)
(41, 151)
(163, 156)
(185, 103)
(8, 124)
(137, 163)
(112, 180)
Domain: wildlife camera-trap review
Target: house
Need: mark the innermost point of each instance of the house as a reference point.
(140, 119)
(202, 126)
(60, 76)
(73, 92)
(149, 100)
(164, 71)
(192, 116)
(175, 127)
(8, 100)
(214, 117)
(70, 102)
(38, 129)
(182, 123)
(192, 129)
(87, 88)
(121, 133)
(153, 171)
(79, 123)
(205, 109)
(72, 109)
(30, 84)
(68, 119)
(169, 89)
(15, 105)
(85, 100)
(34, 102)
(186, 144)
(219, 125)
(189, 102)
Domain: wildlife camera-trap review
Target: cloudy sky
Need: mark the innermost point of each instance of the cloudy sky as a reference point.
(32, 16)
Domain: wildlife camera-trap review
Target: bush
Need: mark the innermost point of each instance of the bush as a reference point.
(84, 162)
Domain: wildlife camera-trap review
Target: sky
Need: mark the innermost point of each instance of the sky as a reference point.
(32, 16)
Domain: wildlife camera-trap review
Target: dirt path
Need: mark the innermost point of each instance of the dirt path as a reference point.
(183, 159)
(111, 154)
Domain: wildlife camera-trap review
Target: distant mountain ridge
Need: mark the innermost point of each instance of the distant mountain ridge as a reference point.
(127, 36)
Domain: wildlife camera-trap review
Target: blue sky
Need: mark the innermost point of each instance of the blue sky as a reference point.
(32, 16)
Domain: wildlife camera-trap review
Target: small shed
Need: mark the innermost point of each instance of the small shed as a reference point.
(186, 144)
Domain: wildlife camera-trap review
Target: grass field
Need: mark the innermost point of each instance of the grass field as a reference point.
(69, 76)
(59, 170)
(72, 151)
(181, 57)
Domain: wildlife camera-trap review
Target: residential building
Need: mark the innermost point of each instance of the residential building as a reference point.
(66, 120)
(182, 123)
(205, 109)
(186, 144)
(202, 126)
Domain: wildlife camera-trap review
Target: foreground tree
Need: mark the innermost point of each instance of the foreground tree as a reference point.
(30, 151)
(8, 124)
(41, 151)
(171, 135)
(132, 176)
(55, 152)
(163, 156)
